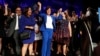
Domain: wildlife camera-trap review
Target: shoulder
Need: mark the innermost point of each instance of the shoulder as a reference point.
(54, 18)
(42, 14)
(23, 17)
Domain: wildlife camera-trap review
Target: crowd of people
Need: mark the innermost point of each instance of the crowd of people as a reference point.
(59, 27)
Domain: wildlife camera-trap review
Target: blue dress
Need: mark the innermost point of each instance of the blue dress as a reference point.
(27, 21)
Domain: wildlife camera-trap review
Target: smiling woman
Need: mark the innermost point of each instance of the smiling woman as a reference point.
(27, 23)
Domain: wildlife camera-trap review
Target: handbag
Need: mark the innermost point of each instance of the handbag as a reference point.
(25, 35)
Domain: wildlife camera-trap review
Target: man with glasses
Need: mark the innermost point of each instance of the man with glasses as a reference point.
(13, 31)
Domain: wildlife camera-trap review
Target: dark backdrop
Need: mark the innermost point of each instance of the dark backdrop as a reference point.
(76, 5)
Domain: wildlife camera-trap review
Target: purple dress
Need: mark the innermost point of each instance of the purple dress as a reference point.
(27, 21)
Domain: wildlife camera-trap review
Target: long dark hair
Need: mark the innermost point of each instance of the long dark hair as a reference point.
(26, 10)
(48, 7)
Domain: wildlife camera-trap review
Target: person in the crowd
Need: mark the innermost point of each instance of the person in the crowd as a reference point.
(38, 20)
(63, 34)
(92, 23)
(3, 13)
(8, 43)
(59, 12)
(57, 24)
(88, 18)
(82, 15)
(52, 44)
(27, 23)
(67, 15)
(74, 20)
(47, 28)
(12, 32)
(74, 16)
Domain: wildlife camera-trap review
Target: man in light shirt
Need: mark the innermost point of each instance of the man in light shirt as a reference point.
(13, 31)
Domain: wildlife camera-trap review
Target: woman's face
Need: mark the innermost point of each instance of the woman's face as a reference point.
(63, 14)
(66, 11)
(48, 11)
(29, 12)
(60, 10)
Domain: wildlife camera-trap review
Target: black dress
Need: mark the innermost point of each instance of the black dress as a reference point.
(2, 25)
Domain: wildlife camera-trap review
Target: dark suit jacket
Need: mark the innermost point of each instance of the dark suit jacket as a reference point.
(12, 24)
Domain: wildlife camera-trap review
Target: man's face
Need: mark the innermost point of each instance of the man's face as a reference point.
(18, 11)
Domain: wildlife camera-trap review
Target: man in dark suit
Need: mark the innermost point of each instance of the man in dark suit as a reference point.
(13, 30)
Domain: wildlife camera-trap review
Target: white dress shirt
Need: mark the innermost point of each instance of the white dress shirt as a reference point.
(17, 24)
(49, 22)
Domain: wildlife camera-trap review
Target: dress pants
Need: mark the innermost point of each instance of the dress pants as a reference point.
(16, 43)
(46, 44)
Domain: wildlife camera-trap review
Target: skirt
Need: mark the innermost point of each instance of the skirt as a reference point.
(38, 36)
(61, 36)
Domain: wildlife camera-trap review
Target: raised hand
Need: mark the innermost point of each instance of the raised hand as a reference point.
(6, 5)
(6, 9)
(39, 3)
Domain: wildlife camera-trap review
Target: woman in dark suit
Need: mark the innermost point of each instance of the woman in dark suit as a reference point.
(26, 24)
